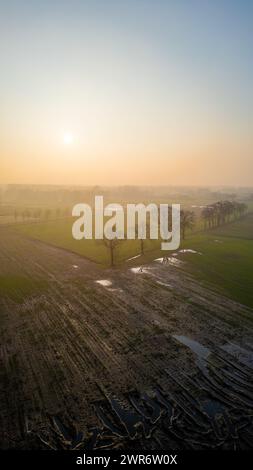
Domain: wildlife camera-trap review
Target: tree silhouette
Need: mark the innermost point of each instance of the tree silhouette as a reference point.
(187, 221)
(222, 212)
(111, 245)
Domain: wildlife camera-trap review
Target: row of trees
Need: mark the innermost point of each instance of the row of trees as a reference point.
(222, 212)
(213, 215)
(40, 214)
(187, 221)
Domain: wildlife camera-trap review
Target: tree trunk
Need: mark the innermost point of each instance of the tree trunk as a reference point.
(111, 254)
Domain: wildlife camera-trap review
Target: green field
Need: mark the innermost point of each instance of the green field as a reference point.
(59, 233)
(226, 264)
(226, 261)
(242, 228)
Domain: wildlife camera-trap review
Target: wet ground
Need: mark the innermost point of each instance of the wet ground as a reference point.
(131, 358)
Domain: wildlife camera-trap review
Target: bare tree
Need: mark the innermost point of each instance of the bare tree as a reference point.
(111, 245)
(187, 221)
(141, 236)
(222, 212)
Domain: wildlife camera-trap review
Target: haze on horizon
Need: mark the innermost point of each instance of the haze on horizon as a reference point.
(126, 92)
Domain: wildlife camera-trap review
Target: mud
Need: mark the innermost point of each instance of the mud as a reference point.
(158, 361)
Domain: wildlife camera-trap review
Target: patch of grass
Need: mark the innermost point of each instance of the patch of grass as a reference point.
(59, 233)
(226, 264)
(242, 228)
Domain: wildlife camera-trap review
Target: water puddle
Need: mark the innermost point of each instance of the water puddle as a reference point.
(140, 270)
(171, 260)
(115, 289)
(165, 284)
(213, 407)
(109, 423)
(133, 257)
(129, 420)
(197, 348)
(104, 282)
(189, 250)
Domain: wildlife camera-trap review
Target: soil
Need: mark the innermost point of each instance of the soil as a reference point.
(150, 360)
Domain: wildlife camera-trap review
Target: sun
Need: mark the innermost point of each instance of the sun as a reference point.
(68, 138)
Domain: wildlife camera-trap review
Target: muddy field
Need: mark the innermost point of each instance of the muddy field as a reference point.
(131, 358)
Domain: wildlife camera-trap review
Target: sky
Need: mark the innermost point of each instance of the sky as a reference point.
(126, 92)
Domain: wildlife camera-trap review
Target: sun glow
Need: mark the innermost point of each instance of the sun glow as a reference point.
(68, 138)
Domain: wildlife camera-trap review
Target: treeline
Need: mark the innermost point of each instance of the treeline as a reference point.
(213, 215)
(222, 212)
(40, 214)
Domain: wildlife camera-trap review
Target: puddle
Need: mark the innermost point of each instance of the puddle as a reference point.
(196, 347)
(115, 289)
(61, 428)
(201, 351)
(128, 419)
(171, 260)
(140, 270)
(75, 266)
(188, 250)
(108, 423)
(163, 284)
(213, 407)
(133, 257)
(241, 354)
(104, 282)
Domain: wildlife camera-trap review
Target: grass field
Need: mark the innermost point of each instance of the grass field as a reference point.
(59, 233)
(226, 261)
(242, 228)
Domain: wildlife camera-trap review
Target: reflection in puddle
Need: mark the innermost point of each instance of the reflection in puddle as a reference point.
(140, 270)
(188, 250)
(196, 347)
(201, 351)
(163, 284)
(213, 407)
(133, 257)
(104, 282)
(115, 289)
(171, 260)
